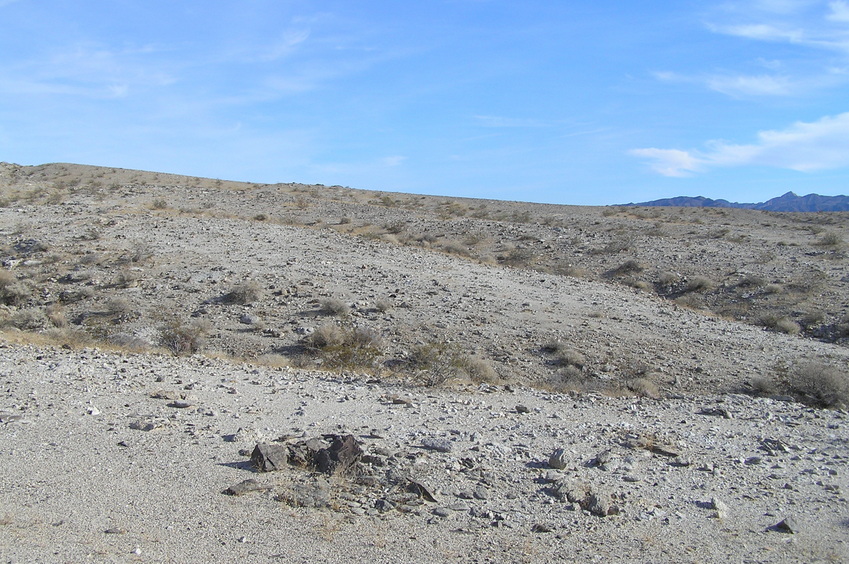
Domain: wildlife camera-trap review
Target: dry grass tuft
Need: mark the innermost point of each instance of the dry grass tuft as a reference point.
(244, 293)
(334, 306)
(820, 384)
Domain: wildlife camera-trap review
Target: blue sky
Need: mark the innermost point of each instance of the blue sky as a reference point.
(574, 102)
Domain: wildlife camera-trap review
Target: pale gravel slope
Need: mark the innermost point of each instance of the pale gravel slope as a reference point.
(72, 468)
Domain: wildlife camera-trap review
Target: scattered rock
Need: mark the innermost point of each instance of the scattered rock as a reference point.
(773, 446)
(720, 508)
(146, 425)
(166, 395)
(786, 525)
(269, 458)
(557, 460)
(598, 503)
(316, 493)
(715, 412)
(420, 490)
(244, 487)
(439, 445)
(340, 457)
(442, 512)
(180, 404)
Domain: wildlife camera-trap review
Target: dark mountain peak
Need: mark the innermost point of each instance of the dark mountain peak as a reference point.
(788, 202)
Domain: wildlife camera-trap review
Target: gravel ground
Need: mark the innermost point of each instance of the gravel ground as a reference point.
(612, 384)
(95, 468)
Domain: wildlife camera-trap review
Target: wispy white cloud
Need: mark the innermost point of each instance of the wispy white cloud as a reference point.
(782, 6)
(805, 23)
(394, 160)
(84, 70)
(752, 85)
(501, 121)
(762, 32)
(285, 45)
(740, 85)
(670, 162)
(839, 11)
(804, 147)
(815, 30)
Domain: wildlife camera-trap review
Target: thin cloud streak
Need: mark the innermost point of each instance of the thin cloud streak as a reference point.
(803, 147)
(740, 85)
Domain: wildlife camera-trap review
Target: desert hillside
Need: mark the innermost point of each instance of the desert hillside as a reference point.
(689, 365)
(555, 296)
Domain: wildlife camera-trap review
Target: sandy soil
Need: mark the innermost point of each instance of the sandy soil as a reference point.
(661, 350)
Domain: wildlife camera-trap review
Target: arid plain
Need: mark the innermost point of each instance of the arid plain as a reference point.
(524, 381)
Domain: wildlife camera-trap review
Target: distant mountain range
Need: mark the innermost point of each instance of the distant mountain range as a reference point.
(789, 202)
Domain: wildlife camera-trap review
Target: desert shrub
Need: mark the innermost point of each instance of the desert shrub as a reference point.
(90, 258)
(329, 335)
(455, 248)
(128, 342)
(614, 247)
(126, 279)
(569, 379)
(751, 281)
(630, 266)
(820, 384)
(345, 347)
(564, 355)
(56, 315)
(159, 204)
(69, 337)
(139, 252)
(243, 293)
(260, 217)
(812, 319)
(830, 239)
(273, 360)
(365, 337)
(474, 238)
(426, 355)
(519, 257)
(182, 339)
(567, 269)
(763, 386)
(668, 278)
(634, 282)
(75, 295)
(384, 304)
(118, 307)
(779, 323)
(12, 291)
(433, 363)
(26, 320)
(643, 387)
(476, 369)
(395, 227)
(700, 284)
(690, 301)
(773, 289)
(334, 306)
